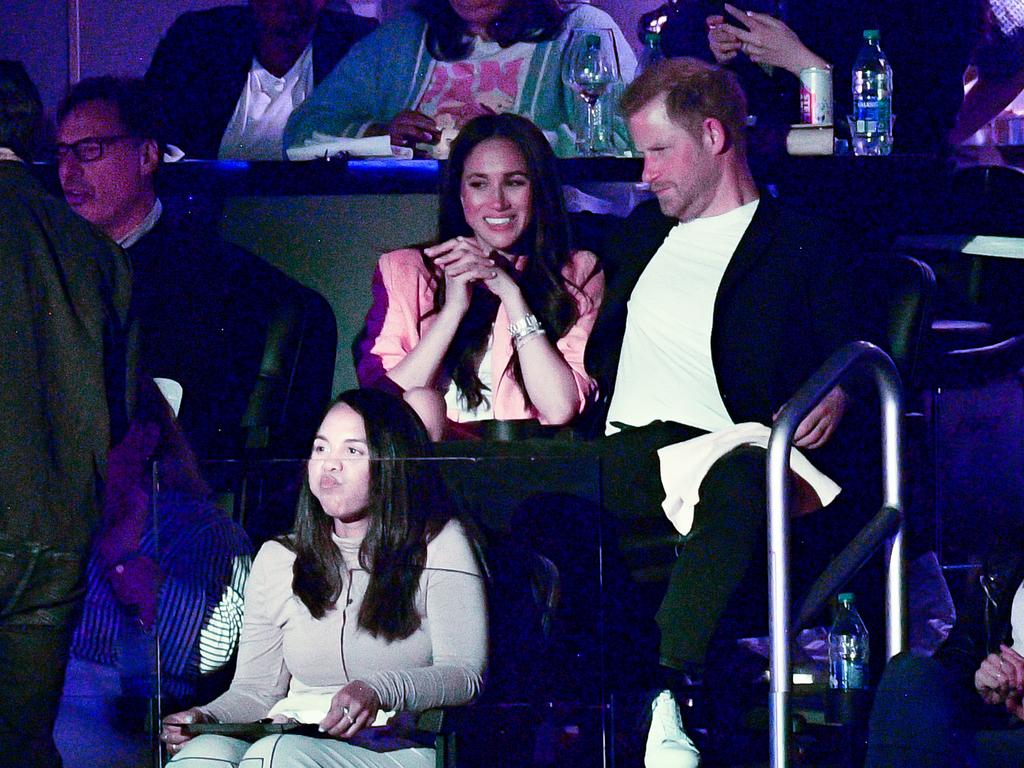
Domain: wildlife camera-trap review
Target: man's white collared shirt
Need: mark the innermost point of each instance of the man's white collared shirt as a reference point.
(256, 129)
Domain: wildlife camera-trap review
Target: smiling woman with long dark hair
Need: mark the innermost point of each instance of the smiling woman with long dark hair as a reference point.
(375, 603)
(432, 69)
(495, 316)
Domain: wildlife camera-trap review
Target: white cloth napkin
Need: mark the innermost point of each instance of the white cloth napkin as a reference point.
(172, 392)
(322, 145)
(173, 154)
(313, 707)
(684, 465)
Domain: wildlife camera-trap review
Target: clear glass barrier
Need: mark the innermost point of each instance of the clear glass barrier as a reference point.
(109, 709)
(540, 530)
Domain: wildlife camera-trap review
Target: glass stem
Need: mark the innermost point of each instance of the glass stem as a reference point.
(592, 117)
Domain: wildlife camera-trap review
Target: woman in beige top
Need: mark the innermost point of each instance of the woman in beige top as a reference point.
(375, 603)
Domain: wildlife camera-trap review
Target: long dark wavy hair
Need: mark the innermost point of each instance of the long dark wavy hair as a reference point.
(530, 21)
(408, 507)
(545, 242)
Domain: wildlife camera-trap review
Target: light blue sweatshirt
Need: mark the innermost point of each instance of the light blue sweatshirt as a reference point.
(372, 83)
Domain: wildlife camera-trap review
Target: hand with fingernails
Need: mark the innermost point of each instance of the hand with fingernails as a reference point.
(763, 38)
(1000, 678)
(465, 263)
(409, 128)
(723, 43)
(171, 732)
(353, 708)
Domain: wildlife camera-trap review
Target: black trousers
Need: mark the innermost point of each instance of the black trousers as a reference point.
(718, 582)
(924, 717)
(41, 589)
(717, 575)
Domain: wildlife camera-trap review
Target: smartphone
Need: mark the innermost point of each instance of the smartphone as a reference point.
(251, 731)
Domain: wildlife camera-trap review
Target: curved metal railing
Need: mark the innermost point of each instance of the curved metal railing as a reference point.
(843, 363)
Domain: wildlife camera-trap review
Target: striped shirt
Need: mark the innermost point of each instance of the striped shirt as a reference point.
(205, 558)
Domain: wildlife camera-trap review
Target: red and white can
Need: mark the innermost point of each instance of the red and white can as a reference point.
(816, 96)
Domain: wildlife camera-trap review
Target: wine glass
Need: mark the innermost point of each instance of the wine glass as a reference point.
(590, 66)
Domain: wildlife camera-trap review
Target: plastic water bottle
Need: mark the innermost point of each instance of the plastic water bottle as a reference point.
(652, 53)
(872, 99)
(848, 648)
(847, 699)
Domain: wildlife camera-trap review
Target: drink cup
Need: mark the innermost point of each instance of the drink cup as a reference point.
(816, 96)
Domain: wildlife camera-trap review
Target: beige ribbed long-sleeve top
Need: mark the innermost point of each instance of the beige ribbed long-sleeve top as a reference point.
(283, 650)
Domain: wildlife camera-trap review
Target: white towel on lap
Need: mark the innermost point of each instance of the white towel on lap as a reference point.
(684, 465)
(311, 707)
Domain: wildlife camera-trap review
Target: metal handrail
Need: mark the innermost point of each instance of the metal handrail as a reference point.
(845, 361)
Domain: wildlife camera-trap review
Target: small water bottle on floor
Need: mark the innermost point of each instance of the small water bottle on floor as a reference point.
(848, 654)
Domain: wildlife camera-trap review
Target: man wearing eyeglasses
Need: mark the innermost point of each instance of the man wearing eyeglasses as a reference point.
(108, 156)
(203, 305)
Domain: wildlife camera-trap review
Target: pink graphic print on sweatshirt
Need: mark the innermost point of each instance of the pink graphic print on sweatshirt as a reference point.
(466, 89)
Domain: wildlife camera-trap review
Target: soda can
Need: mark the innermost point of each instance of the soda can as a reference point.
(816, 96)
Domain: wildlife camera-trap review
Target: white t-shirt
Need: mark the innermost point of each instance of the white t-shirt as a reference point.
(1017, 619)
(457, 404)
(665, 369)
(256, 128)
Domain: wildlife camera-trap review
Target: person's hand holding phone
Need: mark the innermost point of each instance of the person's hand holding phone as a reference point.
(725, 46)
(765, 40)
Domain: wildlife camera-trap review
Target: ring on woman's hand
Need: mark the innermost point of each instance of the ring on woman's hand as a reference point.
(345, 715)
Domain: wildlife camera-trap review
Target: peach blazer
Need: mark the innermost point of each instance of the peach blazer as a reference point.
(403, 296)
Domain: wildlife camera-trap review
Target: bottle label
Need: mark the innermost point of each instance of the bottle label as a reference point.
(871, 115)
(872, 102)
(848, 674)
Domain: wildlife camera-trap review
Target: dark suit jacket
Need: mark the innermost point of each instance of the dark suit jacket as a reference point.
(64, 293)
(201, 64)
(784, 305)
(204, 309)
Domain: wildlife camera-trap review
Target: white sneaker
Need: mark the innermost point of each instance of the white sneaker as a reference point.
(668, 746)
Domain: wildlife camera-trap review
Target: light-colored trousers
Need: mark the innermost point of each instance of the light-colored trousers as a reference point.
(292, 751)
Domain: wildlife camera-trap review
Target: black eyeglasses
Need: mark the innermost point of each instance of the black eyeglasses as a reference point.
(89, 149)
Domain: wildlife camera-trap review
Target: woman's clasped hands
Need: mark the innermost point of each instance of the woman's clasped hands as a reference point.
(464, 263)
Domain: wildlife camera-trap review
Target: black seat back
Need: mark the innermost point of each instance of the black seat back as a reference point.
(899, 291)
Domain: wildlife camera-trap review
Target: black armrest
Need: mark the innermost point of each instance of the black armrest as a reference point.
(968, 367)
